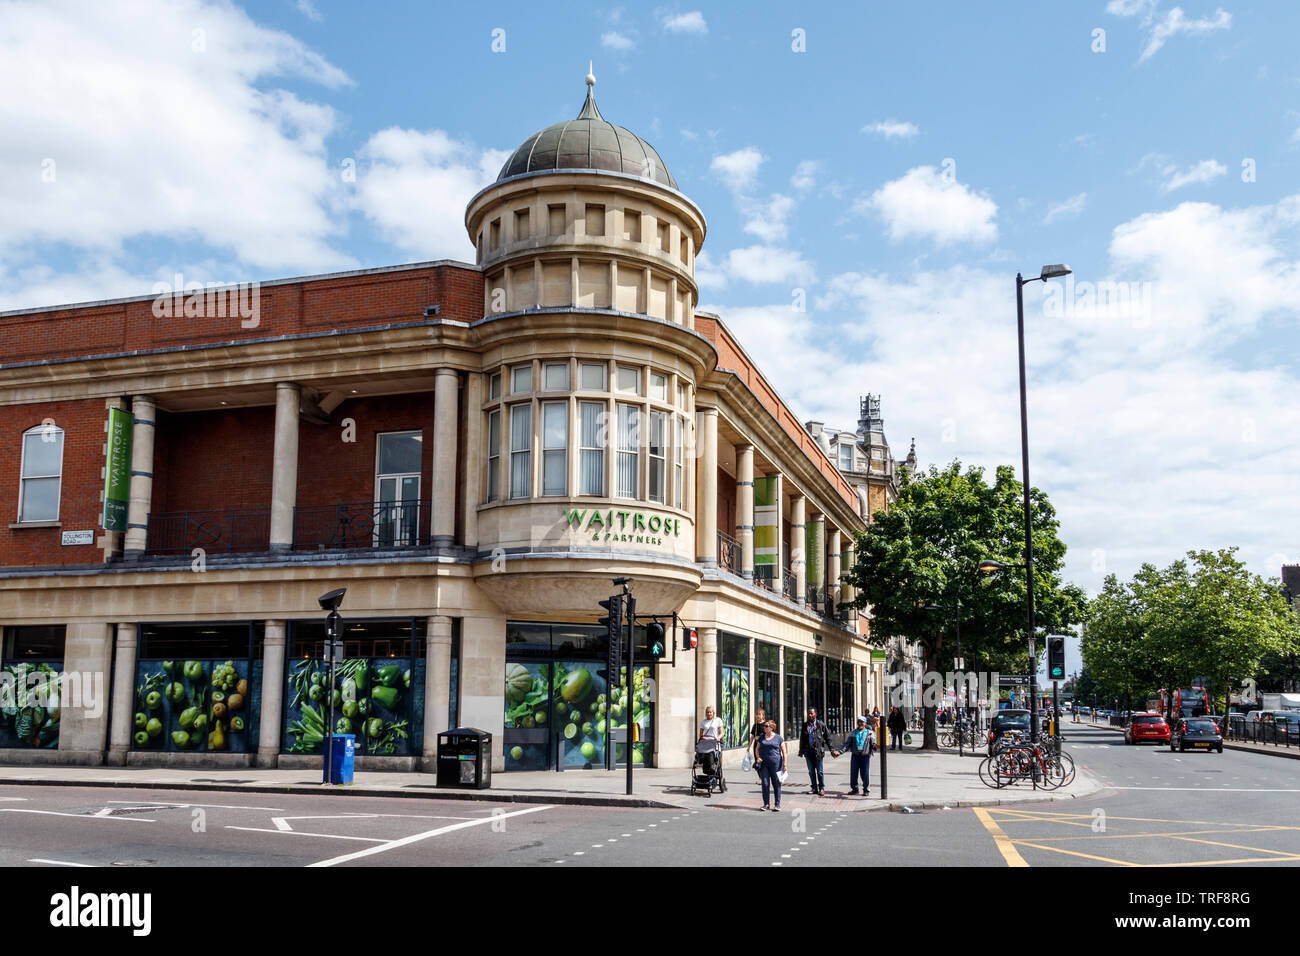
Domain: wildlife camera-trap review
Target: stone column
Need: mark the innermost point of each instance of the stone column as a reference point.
(123, 712)
(706, 673)
(483, 680)
(141, 503)
(706, 488)
(83, 695)
(446, 414)
(475, 462)
(745, 508)
(273, 652)
(850, 558)
(833, 565)
(284, 468)
(798, 561)
(437, 686)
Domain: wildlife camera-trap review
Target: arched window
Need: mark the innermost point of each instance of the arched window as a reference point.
(42, 474)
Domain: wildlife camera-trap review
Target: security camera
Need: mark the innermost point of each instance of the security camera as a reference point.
(622, 580)
(332, 600)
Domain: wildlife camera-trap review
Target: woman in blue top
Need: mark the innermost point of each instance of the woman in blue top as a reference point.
(769, 755)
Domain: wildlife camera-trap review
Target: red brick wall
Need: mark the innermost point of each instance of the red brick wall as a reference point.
(80, 494)
(213, 461)
(726, 503)
(293, 307)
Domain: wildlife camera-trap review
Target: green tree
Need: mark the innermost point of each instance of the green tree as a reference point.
(917, 570)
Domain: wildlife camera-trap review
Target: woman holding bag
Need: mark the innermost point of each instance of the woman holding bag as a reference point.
(770, 750)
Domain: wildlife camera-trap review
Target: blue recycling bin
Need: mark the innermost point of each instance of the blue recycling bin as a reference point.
(338, 768)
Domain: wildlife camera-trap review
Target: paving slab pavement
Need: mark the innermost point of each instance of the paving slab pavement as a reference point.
(917, 780)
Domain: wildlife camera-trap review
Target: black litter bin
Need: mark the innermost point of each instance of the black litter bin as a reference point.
(465, 758)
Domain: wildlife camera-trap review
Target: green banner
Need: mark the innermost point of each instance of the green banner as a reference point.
(815, 552)
(117, 472)
(767, 522)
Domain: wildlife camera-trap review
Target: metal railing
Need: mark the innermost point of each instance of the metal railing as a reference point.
(789, 584)
(362, 524)
(728, 553)
(180, 532)
(815, 597)
(1277, 733)
(765, 576)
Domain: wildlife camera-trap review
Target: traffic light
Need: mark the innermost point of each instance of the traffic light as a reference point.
(613, 624)
(656, 639)
(689, 640)
(1056, 658)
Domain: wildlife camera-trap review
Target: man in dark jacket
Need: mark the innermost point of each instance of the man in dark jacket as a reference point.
(814, 741)
(897, 725)
(860, 744)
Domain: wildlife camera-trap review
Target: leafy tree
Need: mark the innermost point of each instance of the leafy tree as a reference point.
(917, 570)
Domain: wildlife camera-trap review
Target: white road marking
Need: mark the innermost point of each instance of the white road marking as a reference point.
(323, 836)
(577, 852)
(58, 862)
(1223, 787)
(404, 841)
(785, 856)
(75, 816)
(13, 799)
(206, 806)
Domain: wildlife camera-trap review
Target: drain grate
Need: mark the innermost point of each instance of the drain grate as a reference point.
(126, 811)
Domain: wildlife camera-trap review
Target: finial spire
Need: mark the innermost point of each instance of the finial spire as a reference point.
(591, 76)
(589, 110)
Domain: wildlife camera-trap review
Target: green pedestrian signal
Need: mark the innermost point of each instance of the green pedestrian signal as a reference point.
(656, 639)
(1056, 658)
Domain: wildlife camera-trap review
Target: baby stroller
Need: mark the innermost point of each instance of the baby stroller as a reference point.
(706, 774)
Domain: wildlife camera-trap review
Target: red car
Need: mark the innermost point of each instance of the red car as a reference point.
(1146, 728)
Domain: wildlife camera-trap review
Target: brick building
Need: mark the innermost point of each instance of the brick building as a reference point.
(472, 450)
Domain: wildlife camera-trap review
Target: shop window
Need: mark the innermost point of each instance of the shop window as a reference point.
(33, 686)
(628, 380)
(41, 474)
(521, 379)
(591, 462)
(767, 678)
(733, 709)
(397, 489)
(555, 448)
(494, 456)
(555, 377)
(521, 443)
(627, 477)
(817, 684)
(378, 689)
(593, 376)
(832, 716)
(794, 706)
(198, 688)
(658, 455)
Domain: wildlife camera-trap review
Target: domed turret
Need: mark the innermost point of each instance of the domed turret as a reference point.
(588, 141)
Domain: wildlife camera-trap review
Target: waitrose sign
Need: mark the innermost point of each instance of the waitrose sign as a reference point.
(629, 527)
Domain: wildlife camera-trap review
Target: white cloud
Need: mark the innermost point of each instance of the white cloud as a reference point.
(415, 185)
(1069, 207)
(692, 22)
(1128, 413)
(1203, 172)
(757, 265)
(925, 204)
(308, 10)
(767, 220)
(739, 170)
(1171, 24)
(613, 40)
(805, 174)
(892, 129)
(167, 133)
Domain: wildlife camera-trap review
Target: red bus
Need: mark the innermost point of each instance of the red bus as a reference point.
(1191, 702)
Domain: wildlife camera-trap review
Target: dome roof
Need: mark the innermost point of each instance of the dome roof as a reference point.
(588, 141)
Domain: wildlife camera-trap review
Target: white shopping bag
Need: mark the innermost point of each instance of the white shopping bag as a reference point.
(748, 762)
(781, 775)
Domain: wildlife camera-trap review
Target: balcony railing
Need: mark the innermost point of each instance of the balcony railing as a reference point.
(363, 524)
(765, 576)
(181, 532)
(788, 580)
(728, 553)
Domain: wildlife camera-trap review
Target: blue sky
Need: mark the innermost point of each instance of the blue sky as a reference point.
(899, 171)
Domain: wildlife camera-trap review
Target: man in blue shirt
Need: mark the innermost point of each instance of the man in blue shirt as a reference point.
(860, 744)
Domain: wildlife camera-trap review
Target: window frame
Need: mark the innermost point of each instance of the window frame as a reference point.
(633, 450)
(659, 416)
(527, 452)
(23, 478)
(562, 450)
(494, 455)
(602, 425)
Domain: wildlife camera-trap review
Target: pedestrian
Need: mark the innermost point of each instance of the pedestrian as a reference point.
(755, 733)
(771, 764)
(860, 744)
(710, 726)
(897, 725)
(814, 741)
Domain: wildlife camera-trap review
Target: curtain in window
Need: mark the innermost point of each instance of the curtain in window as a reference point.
(628, 463)
(592, 463)
(521, 466)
